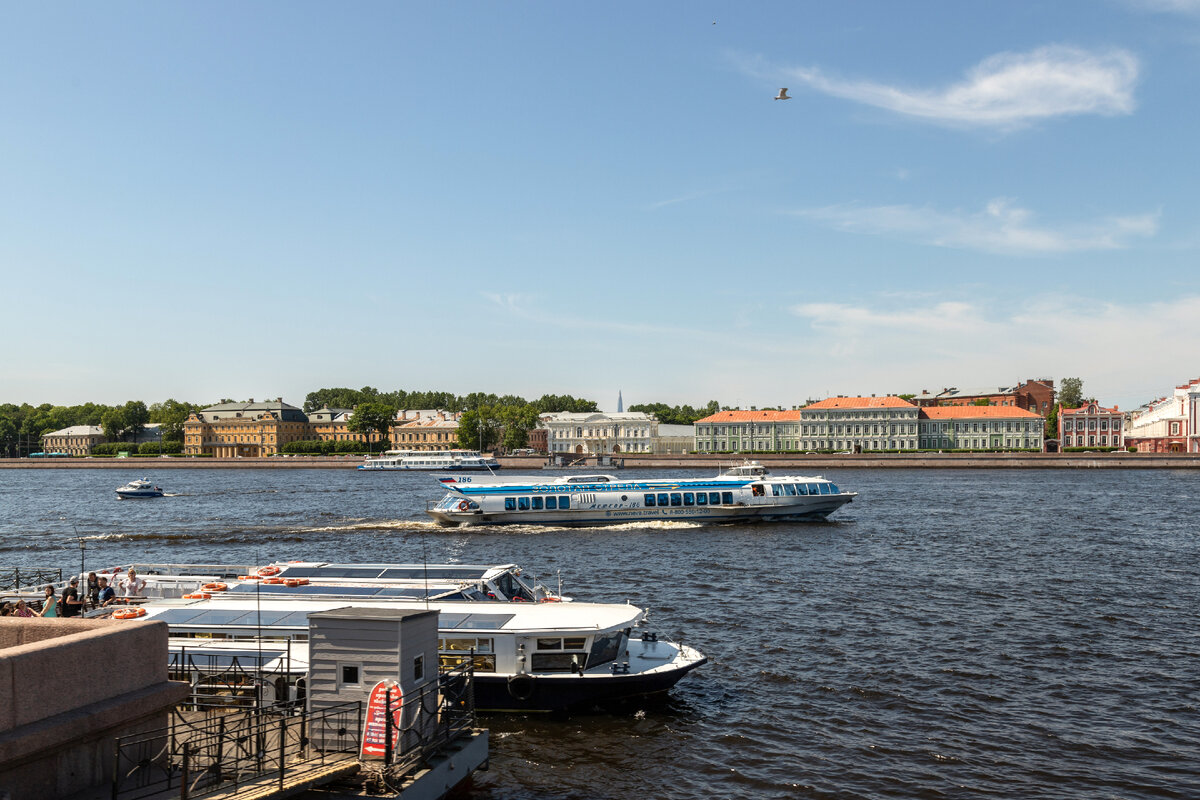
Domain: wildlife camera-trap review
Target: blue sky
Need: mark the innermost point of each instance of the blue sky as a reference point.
(261, 199)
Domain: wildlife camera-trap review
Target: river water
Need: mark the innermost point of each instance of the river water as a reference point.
(950, 634)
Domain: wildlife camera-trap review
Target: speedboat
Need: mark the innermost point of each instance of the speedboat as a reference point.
(742, 493)
(138, 490)
(439, 460)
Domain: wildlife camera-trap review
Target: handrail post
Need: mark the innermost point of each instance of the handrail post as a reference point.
(184, 780)
(220, 745)
(116, 767)
(387, 726)
(282, 747)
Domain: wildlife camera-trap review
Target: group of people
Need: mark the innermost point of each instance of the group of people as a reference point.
(98, 593)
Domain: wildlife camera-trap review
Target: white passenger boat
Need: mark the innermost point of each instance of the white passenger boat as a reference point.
(139, 490)
(328, 580)
(526, 656)
(437, 460)
(745, 493)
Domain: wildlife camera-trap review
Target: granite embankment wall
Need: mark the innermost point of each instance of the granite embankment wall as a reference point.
(774, 462)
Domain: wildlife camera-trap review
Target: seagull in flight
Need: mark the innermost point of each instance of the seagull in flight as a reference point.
(783, 95)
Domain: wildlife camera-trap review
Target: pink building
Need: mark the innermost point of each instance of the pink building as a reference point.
(1091, 425)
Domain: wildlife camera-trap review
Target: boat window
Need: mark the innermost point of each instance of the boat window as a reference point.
(549, 644)
(789, 489)
(824, 488)
(482, 645)
(551, 503)
(664, 500)
(727, 498)
(484, 663)
(775, 490)
(605, 648)
(648, 500)
(757, 490)
(714, 498)
(557, 662)
(564, 502)
(676, 499)
(522, 504)
(537, 503)
(689, 499)
(510, 504)
(833, 489)
(813, 489)
(701, 498)
(801, 488)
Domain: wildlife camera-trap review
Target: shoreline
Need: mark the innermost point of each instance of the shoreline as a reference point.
(772, 461)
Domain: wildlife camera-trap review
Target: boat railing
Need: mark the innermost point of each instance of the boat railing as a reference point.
(27, 579)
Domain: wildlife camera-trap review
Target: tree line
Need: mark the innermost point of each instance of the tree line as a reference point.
(22, 426)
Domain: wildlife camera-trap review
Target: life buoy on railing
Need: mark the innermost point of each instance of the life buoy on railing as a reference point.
(268, 571)
(129, 613)
(521, 687)
(463, 505)
(215, 587)
(196, 596)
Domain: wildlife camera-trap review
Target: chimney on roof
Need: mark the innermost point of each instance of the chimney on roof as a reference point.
(251, 400)
(278, 399)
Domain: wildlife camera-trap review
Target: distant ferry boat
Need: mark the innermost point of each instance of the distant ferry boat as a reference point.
(742, 494)
(437, 460)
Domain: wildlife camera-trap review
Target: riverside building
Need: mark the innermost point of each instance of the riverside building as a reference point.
(1090, 425)
(230, 430)
(980, 428)
(859, 424)
(597, 432)
(765, 431)
(1167, 425)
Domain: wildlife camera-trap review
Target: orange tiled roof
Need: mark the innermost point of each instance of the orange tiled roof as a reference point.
(890, 401)
(976, 412)
(1083, 409)
(766, 415)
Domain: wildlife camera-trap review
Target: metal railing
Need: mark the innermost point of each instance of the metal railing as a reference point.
(206, 749)
(194, 757)
(29, 578)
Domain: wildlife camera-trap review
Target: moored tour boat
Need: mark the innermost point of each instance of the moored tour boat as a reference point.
(745, 493)
(438, 460)
(543, 656)
(139, 490)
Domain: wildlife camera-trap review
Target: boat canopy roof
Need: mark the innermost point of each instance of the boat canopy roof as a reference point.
(244, 612)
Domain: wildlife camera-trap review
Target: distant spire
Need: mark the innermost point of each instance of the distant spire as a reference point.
(620, 402)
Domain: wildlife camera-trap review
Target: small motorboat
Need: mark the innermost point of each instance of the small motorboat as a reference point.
(139, 490)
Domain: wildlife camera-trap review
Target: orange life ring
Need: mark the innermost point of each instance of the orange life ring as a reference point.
(517, 599)
(273, 581)
(463, 505)
(248, 577)
(196, 596)
(268, 571)
(129, 613)
(296, 582)
(216, 587)
(550, 599)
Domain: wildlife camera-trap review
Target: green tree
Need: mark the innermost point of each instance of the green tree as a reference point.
(371, 418)
(171, 414)
(1052, 423)
(1070, 392)
(983, 401)
(479, 428)
(517, 421)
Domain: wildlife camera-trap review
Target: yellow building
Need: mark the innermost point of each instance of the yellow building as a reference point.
(333, 425)
(230, 430)
(425, 430)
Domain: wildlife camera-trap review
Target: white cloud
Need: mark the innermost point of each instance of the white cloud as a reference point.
(1006, 90)
(1000, 228)
(1126, 353)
